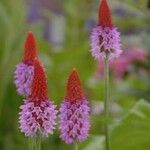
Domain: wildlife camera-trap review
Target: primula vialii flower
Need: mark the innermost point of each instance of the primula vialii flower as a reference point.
(25, 70)
(74, 112)
(105, 39)
(38, 114)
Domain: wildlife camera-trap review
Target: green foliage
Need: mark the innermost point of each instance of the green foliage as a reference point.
(131, 132)
(11, 40)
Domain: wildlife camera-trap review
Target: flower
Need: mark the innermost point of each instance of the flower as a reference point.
(74, 112)
(38, 114)
(25, 70)
(137, 54)
(119, 67)
(105, 39)
(131, 61)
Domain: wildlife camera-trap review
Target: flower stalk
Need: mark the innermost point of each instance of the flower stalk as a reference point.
(38, 143)
(34, 143)
(75, 146)
(31, 143)
(106, 103)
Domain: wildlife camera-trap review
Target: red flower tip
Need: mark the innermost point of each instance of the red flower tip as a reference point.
(74, 90)
(105, 19)
(30, 52)
(39, 87)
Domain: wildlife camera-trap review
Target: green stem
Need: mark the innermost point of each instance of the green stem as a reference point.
(31, 143)
(106, 104)
(38, 143)
(75, 146)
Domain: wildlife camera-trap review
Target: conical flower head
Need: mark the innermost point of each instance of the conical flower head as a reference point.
(105, 19)
(38, 114)
(74, 90)
(30, 50)
(39, 87)
(74, 112)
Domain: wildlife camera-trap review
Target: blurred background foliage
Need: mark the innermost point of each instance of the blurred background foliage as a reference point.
(63, 29)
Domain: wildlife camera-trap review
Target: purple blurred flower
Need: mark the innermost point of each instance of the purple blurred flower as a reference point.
(137, 54)
(40, 11)
(119, 67)
(74, 112)
(36, 9)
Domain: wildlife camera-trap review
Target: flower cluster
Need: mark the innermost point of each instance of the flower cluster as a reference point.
(38, 113)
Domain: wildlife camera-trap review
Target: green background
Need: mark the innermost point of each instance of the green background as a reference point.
(130, 123)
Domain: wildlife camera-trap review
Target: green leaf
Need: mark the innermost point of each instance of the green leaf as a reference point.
(133, 131)
(95, 143)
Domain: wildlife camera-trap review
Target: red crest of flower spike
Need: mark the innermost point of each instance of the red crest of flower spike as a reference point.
(30, 51)
(74, 90)
(105, 19)
(39, 87)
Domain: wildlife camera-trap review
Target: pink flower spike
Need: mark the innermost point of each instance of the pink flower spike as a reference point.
(105, 39)
(74, 112)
